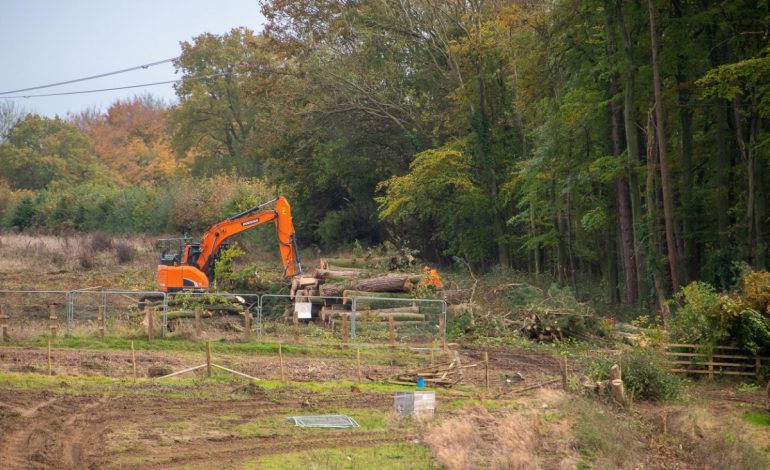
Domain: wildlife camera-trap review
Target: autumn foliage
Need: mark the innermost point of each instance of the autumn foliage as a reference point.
(132, 139)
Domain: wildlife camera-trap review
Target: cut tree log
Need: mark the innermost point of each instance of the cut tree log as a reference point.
(386, 299)
(389, 283)
(378, 315)
(306, 281)
(332, 274)
(353, 262)
(331, 290)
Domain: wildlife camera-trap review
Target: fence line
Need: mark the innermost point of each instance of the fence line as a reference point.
(77, 306)
(720, 360)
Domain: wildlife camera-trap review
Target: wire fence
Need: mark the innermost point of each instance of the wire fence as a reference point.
(220, 315)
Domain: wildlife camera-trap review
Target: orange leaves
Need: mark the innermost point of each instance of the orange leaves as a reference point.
(132, 139)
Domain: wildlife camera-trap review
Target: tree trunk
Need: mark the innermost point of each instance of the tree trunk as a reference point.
(611, 253)
(688, 220)
(632, 150)
(652, 219)
(722, 178)
(665, 178)
(621, 185)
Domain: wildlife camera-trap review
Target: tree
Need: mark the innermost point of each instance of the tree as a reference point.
(132, 139)
(215, 120)
(40, 150)
(10, 114)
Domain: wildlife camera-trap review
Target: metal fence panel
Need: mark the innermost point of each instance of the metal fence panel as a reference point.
(412, 320)
(223, 314)
(117, 312)
(32, 313)
(89, 312)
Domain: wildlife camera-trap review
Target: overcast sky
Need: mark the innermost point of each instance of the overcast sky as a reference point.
(48, 41)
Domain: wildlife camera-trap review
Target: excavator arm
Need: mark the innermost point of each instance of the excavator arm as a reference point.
(218, 234)
(197, 262)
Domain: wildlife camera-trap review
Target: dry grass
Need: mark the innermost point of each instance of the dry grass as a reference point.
(713, 443)
(513, 439)
(31, 260)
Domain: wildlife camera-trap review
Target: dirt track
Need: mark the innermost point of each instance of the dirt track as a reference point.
(174, 425)
(45, 430)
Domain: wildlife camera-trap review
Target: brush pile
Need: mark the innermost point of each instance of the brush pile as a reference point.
(438, 375)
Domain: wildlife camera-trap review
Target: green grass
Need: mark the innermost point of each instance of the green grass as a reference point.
(490, 405)
(181, 387)
(369, 355)
(367, 419)
(387, 456)
(761, 418)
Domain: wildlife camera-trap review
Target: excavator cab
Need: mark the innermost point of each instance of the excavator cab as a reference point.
(171, 250)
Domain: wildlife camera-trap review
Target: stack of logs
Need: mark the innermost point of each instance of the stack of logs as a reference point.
(339, 280)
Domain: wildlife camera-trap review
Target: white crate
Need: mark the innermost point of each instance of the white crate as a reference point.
(420, 404)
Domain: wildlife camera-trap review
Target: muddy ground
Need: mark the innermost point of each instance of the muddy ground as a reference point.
(169, 424)
(55, 430)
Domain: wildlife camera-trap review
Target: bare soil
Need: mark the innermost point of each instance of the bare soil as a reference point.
(50, 430)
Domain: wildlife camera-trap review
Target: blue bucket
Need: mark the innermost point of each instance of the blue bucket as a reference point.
(420, 382)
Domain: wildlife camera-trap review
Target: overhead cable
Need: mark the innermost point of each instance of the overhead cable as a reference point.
(92, 77)
(80, 92)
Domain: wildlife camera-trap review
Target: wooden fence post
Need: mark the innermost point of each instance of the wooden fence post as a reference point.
(197, 322)
(442, 331)
(344, 328)
(4, 324)
(52, 320)
(247, 325)
(486, 369)
(711, 365)
(208, 358)
(392, 325)
(358, 363)
(296, 327)
(564, 382)
(758, 366)
(280, 358)
(150, 327)
(100, 320)
(133, 359)
(50, 362)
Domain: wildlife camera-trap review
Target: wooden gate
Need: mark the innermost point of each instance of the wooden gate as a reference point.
(721, 360)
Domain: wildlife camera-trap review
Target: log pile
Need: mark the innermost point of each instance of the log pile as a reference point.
(372, 280)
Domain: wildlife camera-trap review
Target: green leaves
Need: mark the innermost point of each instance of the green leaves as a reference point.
(748, 78)
(40, 150)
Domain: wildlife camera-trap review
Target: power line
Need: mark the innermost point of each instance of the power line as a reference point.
(80, 92)
(92, 77)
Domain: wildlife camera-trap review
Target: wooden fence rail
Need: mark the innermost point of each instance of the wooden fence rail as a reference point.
(721, 360)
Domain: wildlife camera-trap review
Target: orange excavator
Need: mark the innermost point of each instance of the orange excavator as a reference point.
(190, 266)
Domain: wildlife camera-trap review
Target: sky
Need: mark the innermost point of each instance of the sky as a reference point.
(48, 41)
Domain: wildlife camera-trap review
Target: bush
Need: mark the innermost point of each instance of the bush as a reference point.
(711, 318)
(647, 376)
(645, 373)
(86, 261)
(125, 253)
(100, 242)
